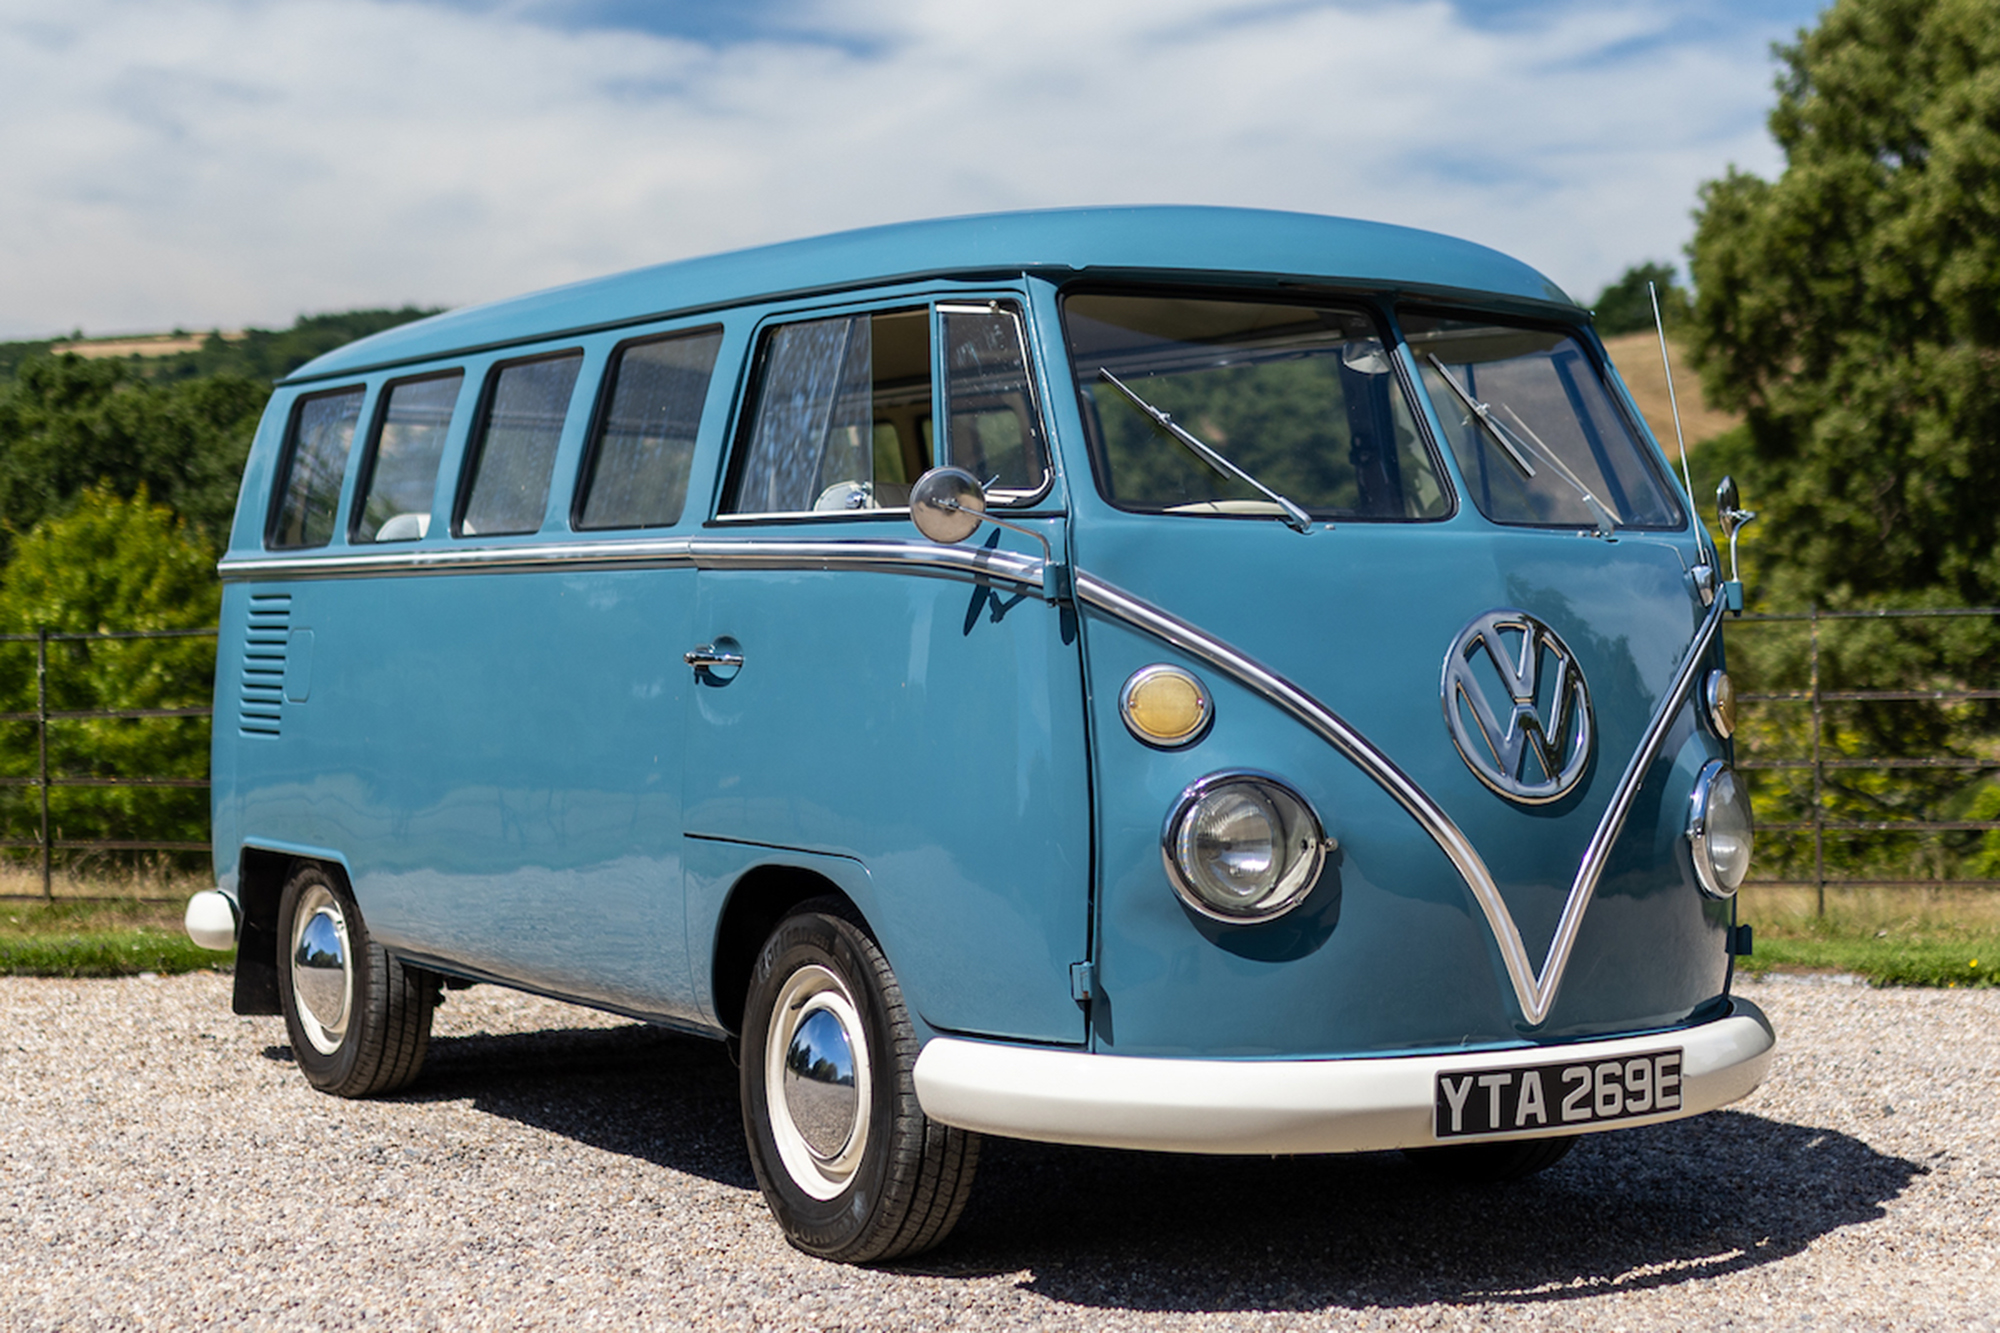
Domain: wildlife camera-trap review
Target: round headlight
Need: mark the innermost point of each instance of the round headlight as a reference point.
(1165, 706)
(1720, 695)
(1243, 847)
(1719, 830)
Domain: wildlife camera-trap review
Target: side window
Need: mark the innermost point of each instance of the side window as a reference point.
(637, 472)
(992, 428)
(514, 451)
(840, 418)
(402, 466)
(315, 462)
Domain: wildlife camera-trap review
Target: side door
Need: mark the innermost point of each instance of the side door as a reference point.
(924, 723)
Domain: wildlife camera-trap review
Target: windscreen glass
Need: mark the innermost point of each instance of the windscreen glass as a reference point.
(1534, 428)
(1299, 404)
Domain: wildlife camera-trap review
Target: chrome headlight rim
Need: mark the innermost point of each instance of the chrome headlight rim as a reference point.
(1701, 809)
(1157, 670)
(1314, 847)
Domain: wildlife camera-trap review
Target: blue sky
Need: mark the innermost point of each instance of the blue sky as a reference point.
(208, 163)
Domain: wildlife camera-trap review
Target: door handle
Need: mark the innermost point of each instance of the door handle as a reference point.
(711, 655)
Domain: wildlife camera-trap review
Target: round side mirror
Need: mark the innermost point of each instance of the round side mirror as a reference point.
(946, 503)
(1727, 505)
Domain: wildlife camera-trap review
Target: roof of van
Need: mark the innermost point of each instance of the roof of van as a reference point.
(1156, 240)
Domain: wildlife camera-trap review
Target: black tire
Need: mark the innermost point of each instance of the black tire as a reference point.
(851, 1166)
(359, 1021)
(1490, 1163)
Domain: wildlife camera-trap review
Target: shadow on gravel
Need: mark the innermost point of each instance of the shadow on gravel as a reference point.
(1161, 1232)
(639, 1091)
(1644, 1208)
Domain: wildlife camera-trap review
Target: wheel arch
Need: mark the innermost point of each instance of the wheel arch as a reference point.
(261, 874)
(758, 900)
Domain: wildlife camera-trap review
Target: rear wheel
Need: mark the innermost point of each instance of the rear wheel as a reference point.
(849, 1163)
(360, 1022)
(1491, 1163)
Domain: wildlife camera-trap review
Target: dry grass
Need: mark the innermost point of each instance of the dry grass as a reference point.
(1637, 356)
(155, 882)
(1940, 909)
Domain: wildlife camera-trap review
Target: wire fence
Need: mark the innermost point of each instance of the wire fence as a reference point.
(48, 840)
(1820, 762)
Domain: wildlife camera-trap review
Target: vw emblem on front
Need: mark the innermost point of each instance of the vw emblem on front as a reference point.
(1517, 707)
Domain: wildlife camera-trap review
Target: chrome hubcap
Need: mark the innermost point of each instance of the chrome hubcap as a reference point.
(817, 1083)
(322, 970)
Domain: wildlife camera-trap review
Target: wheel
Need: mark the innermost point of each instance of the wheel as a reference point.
(849, 1163)
(1491, 1163)
(360, 1022)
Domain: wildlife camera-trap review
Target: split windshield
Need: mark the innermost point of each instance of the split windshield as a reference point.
(1535, 432)
(1302, 409)
(1302, 401)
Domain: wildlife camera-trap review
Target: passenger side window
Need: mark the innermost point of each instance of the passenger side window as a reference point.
(315, 462)
(637, 473)
(993, 429)
(403, 465)
(514, 451)
(841, 418)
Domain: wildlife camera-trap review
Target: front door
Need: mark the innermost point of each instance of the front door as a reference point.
(925, 724)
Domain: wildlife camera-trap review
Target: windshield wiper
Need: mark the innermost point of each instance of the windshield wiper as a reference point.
(1515, 447)
(1295, 518)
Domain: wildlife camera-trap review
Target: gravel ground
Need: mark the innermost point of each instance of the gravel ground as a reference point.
(165, 1165)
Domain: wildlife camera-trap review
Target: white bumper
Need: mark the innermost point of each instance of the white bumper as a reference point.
(1286, 1106)
(211, 920)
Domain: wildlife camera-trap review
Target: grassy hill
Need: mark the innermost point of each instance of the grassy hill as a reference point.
(258, 354)
(1637, 356)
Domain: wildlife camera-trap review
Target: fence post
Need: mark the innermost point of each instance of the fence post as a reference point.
(1818, 775)
(42, 737)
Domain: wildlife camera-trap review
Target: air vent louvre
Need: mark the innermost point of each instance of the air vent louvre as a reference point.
(264, 639)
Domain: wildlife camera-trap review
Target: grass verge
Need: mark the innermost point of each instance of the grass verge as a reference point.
(1936, 937)
(116, 938)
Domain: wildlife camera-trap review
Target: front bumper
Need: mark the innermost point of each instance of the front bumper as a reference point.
(1287, 1106)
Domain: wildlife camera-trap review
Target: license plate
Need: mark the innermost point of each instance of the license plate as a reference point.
(1575, 1093)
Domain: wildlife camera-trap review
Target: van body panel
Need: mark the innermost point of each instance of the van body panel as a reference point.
(524, 819)
(929, 729)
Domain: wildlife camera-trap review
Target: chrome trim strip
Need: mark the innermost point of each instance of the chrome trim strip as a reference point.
(1598, 852)
(655, 553)
(1535, 994)
(890, 556)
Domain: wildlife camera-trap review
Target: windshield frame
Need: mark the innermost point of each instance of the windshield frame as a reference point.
(1370, 305)
(1651, 457)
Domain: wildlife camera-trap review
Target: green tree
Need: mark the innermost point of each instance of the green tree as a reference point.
(1627, 307)
(1850, 308)
(111, 564)
(67, 424)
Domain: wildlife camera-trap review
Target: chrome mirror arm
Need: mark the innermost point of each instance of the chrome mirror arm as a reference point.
(1730, 513)
(948, 504)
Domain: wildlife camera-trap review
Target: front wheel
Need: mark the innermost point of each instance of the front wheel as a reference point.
(359, 1021)
(851, 1166)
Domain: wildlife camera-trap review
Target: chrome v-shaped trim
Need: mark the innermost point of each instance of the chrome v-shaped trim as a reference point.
(1535, 992)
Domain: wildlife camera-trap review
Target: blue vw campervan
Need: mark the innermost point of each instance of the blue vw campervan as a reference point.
(1186, 679)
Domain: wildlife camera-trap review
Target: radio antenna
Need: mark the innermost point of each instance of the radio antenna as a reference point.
(1673, 402)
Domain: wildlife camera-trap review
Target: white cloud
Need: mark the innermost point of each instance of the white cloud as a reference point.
(216, 162)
